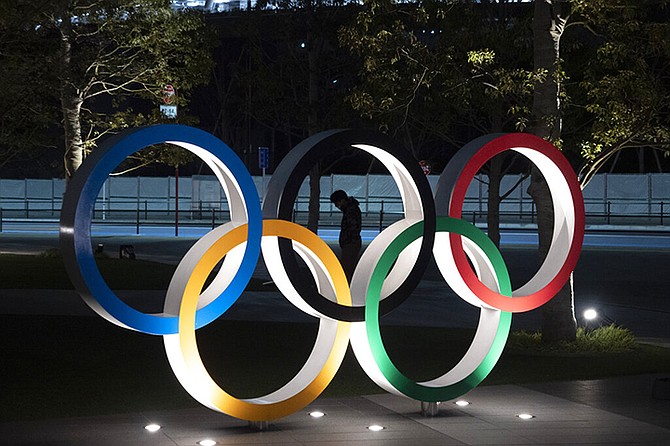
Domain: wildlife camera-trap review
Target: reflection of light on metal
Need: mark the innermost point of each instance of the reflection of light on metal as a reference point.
(319, 368)
(568, 224)
(77, 213)
(317, 414)
(375, 428)
(389, 268)
(590, 314)
(491, 333)
(525, 416)
(152, 427)
(207, 443)
(462, 403)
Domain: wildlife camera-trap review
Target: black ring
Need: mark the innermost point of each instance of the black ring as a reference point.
(283, 189)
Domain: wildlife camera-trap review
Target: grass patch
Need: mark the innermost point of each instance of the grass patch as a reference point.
(46, 271)
(610, 338)
(74, 366)
(606, 339)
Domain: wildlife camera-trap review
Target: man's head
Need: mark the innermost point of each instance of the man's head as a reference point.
(338, 198)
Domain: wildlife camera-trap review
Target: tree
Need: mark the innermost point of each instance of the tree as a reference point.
(618, 101)
(439, 73)
(27, 112)
(549, 22)
(287, 79)
(322, 63)
(411, 83)
(105, 55)
(617, 85)
(625, 88)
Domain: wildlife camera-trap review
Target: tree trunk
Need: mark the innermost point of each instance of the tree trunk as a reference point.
(558, 318)
(495, 177)
(493, 200)
(314, 198)
(315, 173)
(547, 29)
(74, 147)
(558, 315)
(71, 102)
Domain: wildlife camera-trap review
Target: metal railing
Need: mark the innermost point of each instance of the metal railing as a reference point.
(377, 214)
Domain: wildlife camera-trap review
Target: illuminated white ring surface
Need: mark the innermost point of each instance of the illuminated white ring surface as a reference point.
(490, 336)
(417, 206)
(413, 213)
(388, 259)
(323, 362)
(568, 230)
(77, 212)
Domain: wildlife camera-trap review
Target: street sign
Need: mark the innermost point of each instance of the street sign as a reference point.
(169, 107)
(168, 94)
(169, 111)
(263, 157)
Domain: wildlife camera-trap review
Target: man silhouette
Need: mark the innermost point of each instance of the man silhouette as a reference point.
(350, 230)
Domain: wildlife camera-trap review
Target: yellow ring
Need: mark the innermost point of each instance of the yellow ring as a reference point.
(201, 385)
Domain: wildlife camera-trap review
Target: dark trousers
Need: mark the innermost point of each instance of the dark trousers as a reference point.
(349, 258)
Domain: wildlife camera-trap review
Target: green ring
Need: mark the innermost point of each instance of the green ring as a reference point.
(403, 384)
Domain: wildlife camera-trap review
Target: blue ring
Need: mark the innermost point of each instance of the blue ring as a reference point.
(77, 212)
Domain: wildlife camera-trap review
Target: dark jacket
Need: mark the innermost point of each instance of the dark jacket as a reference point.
(350, 228)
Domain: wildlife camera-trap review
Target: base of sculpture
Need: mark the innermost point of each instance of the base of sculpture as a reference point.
(260, 426)
(430, 410)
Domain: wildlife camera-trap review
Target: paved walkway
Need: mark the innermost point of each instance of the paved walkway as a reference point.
(617, 411)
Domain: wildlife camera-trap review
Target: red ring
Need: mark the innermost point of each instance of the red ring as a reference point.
(488, 151)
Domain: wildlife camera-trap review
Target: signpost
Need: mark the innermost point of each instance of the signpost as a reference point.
(169, 108)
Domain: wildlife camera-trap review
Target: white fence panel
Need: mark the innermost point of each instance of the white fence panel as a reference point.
(619, 195)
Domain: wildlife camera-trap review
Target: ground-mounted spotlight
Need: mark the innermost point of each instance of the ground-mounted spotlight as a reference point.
(462, 403)
(375, 428)
(590, 314)
(152, 427)
(317, 414)
(525, 416)
(207, 443)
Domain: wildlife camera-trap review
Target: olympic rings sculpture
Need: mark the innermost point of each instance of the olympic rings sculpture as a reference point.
(389, 269)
